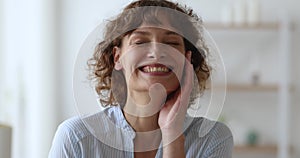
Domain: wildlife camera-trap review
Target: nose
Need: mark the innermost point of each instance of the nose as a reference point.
(156, 51)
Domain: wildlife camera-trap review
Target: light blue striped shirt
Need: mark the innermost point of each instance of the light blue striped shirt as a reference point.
(107, 134)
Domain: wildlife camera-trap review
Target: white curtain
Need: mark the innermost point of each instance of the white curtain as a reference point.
(28, 74)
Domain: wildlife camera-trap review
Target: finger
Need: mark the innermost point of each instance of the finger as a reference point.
(188, 79)
(182, 100)
(179, 102)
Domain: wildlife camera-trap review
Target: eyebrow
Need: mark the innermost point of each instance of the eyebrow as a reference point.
(172, 33)
(140, 32)
(147, 33)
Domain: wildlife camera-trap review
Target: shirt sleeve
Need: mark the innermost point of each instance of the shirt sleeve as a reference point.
(222, 142)
(65, 143)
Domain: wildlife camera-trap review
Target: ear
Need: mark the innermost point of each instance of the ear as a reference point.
(188, 55)
(117, 54)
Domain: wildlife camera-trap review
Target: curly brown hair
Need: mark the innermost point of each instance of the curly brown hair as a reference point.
(110, 84)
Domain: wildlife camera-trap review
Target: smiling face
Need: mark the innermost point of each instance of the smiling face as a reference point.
(150, 55)
(111, 85)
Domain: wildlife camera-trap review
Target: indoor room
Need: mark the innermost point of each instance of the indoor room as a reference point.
(255, 87)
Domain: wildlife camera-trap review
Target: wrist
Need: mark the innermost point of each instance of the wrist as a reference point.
(172, 137)
(174, 148)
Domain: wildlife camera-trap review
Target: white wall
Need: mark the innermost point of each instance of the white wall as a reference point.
(1, 50)
(29, 52)
(77, 19)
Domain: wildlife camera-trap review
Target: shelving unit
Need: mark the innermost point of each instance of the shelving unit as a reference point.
(261, 26)
(283, 87)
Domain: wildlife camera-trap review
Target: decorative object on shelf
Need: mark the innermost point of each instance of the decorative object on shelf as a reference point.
(241, 13)
(5, 141)
(227, 15)
(252, 137)
(222, 118)
(253, 12)
(255, 78)
(255, 69)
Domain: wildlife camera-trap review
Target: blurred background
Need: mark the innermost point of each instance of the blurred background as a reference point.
(258, 39)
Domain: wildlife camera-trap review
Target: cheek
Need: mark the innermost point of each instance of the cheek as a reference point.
(130, 61)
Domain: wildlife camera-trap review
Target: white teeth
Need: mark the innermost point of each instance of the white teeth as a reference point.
(155, 69)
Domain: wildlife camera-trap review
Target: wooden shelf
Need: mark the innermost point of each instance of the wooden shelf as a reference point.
(272, 148)
(249, 87)
(246, 87)
(260, 26)
(256, 148)
(4, 126)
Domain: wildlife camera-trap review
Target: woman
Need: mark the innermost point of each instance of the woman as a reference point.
(146, 69)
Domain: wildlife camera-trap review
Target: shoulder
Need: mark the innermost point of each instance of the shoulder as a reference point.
(212, 138)
(203, 127)
(79, 127)
(75, 136)
(73, 128)
(67, 137)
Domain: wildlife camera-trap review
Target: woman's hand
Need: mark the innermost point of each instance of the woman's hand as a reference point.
(172, 114)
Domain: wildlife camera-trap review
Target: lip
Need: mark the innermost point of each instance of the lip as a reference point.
(155, 66)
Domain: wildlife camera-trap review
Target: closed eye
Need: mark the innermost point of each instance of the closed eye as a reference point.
(139, 42)
(172, 43)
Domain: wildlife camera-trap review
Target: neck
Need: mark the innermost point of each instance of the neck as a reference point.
(141, 110)
(144, 105)
(147, 130)
(142, 124)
